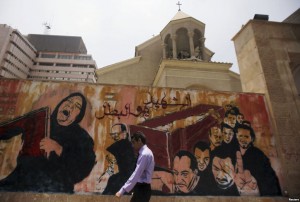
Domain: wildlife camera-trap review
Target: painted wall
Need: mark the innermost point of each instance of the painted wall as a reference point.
(75, 138)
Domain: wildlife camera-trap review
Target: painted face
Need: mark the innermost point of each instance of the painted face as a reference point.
(231, 120)
(69, 110)
(240, 118)
(227, 135)
(116, 133)
(184, 177)
(9, 151)
(216, 136)
(202, 158)
(223, 172)
(244, 138)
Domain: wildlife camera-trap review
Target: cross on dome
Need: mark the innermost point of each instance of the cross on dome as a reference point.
(179, 4)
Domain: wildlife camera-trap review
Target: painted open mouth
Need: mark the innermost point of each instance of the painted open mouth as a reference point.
(64, 115)
(66, 112)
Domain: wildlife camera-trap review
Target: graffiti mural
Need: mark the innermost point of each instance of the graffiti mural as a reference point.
(76, 138)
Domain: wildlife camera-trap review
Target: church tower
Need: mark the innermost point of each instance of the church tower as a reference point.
(183, 38)
(176, 58)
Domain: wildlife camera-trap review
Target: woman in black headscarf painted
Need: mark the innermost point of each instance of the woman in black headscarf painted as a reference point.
(69, 153)
(70, 148)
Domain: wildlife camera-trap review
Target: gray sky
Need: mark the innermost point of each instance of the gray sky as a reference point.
(111, 29)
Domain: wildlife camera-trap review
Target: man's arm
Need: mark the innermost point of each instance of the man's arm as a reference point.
(135, 176)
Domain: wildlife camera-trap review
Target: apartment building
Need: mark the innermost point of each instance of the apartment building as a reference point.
(17, 54)
(44, 57)
(61, 58)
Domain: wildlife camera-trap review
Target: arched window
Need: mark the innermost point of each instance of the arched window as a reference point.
(169, 46)
(198, 44)
(182, 44)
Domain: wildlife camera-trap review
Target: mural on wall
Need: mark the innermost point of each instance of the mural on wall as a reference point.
(75, 138)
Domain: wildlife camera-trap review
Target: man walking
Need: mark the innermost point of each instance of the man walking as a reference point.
(140, 179)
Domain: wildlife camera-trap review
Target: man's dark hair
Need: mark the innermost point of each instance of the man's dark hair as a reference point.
(201, 145)
(123, 128)
(225, 125)
(241, 114)
(194, 163)
(247, 126)
(228, 105)
(248, 123)
(224, 153)
(12, 132)
(233, 111)
(139, 135)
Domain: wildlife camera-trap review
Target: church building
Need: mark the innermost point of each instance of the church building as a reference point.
(176, 58)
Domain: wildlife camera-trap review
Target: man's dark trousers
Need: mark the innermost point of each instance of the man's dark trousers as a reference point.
(141, 193)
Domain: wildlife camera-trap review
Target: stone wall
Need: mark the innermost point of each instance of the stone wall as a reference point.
(263, 51)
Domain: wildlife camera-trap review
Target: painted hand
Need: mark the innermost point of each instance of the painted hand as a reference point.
(49, 145)
(245, 182)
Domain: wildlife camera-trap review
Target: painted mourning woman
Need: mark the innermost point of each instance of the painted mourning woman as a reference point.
(74, 157)
(69, 155)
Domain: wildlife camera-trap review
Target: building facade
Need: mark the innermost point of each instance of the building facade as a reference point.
(62, 58)
(17, 54)
(44, 57)
(268, 56)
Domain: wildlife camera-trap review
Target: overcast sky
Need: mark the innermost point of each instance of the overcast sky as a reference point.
(112, 29)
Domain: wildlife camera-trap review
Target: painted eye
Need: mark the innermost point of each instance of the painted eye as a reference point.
(184, 174)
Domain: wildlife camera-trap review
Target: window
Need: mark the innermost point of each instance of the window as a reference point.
(45, 55)
(82, 57)
(63, 65)
(65, 56)
(45, 64)
(76, 65)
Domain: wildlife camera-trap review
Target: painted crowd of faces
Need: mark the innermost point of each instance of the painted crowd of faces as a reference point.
(227, 164)
(214, 166)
